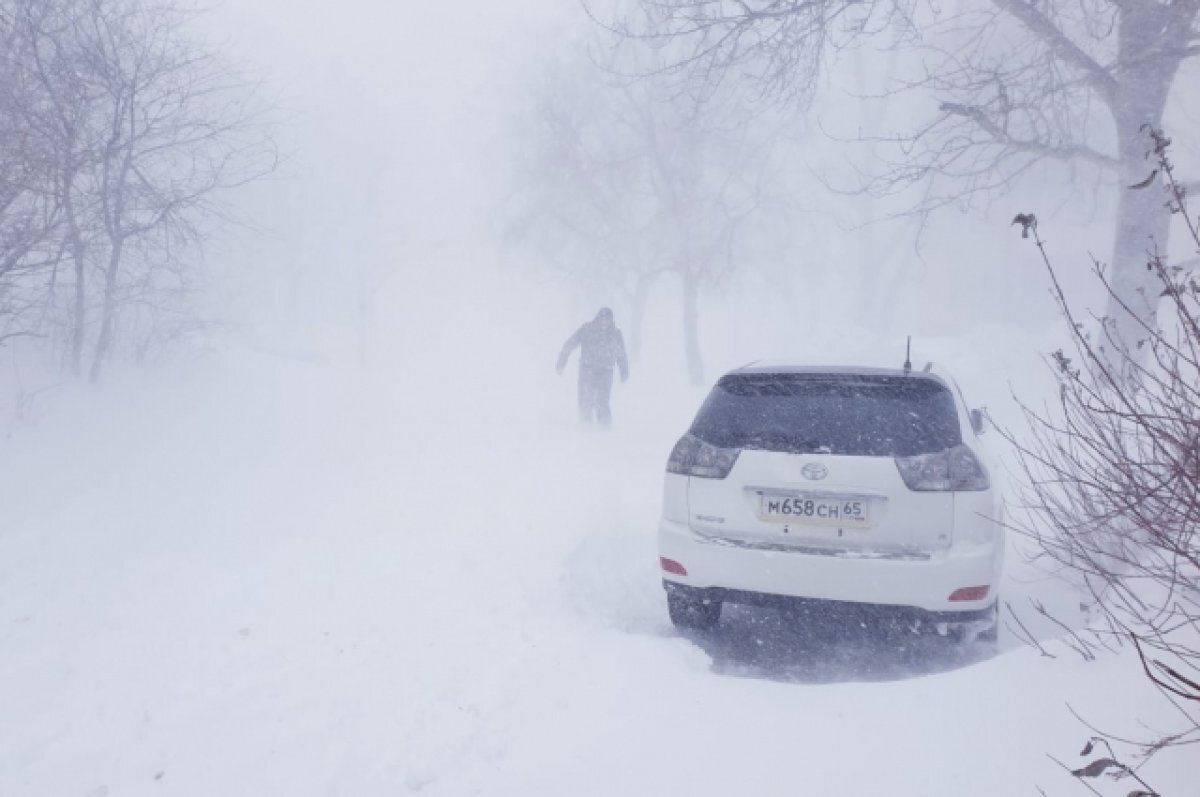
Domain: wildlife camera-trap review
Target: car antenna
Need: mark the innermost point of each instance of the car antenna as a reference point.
(908, 356)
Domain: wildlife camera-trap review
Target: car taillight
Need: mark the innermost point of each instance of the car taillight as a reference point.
(970, 593)
(694, 457)
(671, 566)
(951, 470)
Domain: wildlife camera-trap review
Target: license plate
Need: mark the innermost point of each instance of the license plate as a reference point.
(813, 510)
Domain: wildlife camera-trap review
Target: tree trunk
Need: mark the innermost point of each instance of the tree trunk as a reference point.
(79, 319)
(1142, 229)
(79, 256)
(637, 317)
(104, 339)
(880, 289)
(691, 329)
(1143, 224)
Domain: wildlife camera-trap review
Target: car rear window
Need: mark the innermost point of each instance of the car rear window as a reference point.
(870, 416)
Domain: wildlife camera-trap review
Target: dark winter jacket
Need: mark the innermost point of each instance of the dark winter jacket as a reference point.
(601, 346)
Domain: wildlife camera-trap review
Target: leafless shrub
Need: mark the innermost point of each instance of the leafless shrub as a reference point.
(1112, 470)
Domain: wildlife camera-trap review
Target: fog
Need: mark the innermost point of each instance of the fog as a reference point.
(400, 139)
(395, 141)
(347, 534)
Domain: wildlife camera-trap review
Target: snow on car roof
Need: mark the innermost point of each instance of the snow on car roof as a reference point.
(801, 367)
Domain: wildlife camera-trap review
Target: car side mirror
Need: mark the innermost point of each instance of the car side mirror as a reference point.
(977, 422)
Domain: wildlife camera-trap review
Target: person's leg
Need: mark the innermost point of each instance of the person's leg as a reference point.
(586, 396)
(604, 381)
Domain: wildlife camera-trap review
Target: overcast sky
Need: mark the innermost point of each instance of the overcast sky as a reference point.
(398, 116)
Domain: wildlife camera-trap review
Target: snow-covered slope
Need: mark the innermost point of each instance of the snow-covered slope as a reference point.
(260, 576)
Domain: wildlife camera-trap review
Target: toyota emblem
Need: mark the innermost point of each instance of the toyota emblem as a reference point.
(815, 471)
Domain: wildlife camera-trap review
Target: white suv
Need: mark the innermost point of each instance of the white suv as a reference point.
(835, 488)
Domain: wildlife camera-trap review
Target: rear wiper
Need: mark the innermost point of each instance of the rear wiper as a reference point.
(783, 443)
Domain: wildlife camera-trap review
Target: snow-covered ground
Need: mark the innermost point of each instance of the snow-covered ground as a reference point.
(264, 576)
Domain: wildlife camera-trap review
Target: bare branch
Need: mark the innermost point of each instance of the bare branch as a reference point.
(1070, 52)
(1002, 136)
(1112, 472)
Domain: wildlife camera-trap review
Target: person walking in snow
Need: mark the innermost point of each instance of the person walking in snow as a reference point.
(601, 348)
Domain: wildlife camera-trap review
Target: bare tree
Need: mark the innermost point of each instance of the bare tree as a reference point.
(626, 182)
(714, 184)
(30, 214)
(582, 202)
(146, 127)
(1112, 472)
(1017, 84)
(60, 106)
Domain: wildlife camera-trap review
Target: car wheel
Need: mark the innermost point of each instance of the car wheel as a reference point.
(963, 634)
(992, 634)
(692, 612)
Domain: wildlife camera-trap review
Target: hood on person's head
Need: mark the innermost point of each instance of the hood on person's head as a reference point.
(604, 317)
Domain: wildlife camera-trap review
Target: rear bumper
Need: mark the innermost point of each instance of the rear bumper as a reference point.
(828, 611)
(750, 575)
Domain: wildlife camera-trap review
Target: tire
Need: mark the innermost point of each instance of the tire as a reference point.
(988, 636)
(992, 635)
(692, 612)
